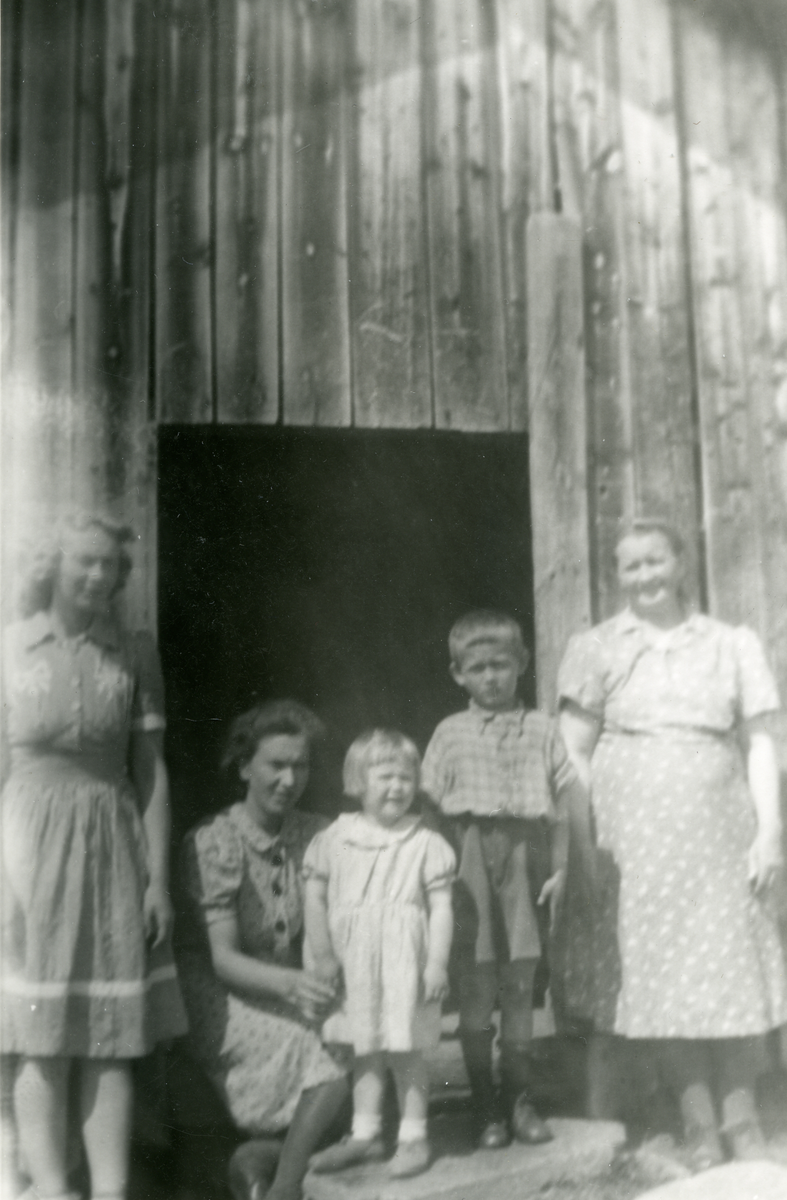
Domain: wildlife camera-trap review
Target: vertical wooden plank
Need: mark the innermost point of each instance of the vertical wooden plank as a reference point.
(315, 300)
(733, 551)
(463, 206)
(95, 342)
(739, 248)
(620, 170)
(590, 169)
(558, 441)
(392, 383)
(183, 225)
(37, 403)
(135, 432)
(525, 165)
(659, 373)
(247, 210)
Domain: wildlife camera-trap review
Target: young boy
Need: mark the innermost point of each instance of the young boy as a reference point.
(500, 774)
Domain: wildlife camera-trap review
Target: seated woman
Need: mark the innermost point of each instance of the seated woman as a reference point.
(254, 1012)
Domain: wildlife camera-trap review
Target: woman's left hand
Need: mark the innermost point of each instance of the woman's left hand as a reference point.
(765, 861)
(158, 914)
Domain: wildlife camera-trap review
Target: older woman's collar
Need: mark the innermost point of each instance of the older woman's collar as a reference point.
(627, 621)
(40, 628)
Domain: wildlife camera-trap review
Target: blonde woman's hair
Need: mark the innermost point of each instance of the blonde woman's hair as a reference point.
(42, 558)
(373, 747)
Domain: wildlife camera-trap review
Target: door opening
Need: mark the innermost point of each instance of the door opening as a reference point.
(327, 566)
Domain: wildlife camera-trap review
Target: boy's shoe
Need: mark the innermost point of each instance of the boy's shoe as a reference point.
(349, 1152)
(411, 1158)
(494, 1135)
(527, 1126)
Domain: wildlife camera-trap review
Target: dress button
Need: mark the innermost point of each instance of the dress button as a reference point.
(280, 926)
(276, 889)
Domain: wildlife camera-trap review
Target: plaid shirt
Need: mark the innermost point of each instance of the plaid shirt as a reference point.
(498, 764)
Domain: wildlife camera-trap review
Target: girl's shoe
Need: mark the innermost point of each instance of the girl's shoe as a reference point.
(411, 1158)
(349, 1152)
(703, 1150)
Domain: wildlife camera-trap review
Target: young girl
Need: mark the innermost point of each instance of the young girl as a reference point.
(378, 911)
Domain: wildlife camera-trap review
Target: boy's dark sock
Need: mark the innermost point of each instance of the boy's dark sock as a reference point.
(477, 1053)
(526, 1125)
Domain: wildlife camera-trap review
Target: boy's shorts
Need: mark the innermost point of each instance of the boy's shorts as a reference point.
(503, 864)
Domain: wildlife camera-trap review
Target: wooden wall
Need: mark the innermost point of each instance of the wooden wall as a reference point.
(449, 214)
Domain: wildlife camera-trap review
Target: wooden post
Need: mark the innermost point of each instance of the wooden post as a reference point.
(558, 440)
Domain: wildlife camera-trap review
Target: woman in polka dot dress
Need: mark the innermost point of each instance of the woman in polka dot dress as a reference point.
(665, 717)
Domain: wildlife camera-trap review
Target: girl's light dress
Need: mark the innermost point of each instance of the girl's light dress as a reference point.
(78, 978)
(679, 947)
(378, 884)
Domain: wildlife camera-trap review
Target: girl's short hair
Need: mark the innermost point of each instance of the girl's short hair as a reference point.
(641, 526)
(481, 626)
(376, 746)
(271, 719)
(42, 558)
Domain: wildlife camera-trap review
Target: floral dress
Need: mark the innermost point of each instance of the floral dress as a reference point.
(378, 883)
(679, 945)
(78, 977)
(259, 1053)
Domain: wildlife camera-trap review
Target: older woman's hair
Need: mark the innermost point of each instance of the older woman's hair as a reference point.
(274, 718)
(373, 747)
(642, 526)
(42, 559)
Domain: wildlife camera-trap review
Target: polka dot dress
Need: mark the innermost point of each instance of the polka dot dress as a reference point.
(678, 945)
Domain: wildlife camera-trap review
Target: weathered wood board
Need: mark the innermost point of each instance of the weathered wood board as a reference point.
(463, 207)
(740, 292)
(184, 251)
(558, 441)
(392, 384)
(315, 276)
(246, 146)
(526, 168)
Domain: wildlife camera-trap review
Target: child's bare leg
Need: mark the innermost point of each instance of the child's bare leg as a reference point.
(412, 1090)
(40, 1097)
(516, 1033)
(365, 1142)
(105, 1106)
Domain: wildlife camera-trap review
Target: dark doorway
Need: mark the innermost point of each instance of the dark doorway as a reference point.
(328, 567)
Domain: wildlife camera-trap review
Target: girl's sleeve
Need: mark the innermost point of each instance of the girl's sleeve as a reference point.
(439, 863)
(757, 691)
(213, 868)
(147, 712)
(581, 674)
(316, 860)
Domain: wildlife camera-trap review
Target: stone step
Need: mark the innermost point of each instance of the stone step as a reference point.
(580, 1150)
(733, 1181)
